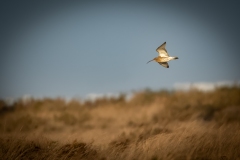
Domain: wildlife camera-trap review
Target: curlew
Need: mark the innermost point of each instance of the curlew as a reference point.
(163, 57)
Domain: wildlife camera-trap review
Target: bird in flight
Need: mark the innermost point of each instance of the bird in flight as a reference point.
(163, 57)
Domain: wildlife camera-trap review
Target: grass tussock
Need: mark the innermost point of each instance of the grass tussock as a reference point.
(151, 125)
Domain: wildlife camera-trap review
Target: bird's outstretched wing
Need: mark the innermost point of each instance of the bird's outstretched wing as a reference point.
(164, 64)
(162, 51)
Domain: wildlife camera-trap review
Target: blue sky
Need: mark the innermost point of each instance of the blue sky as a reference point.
(69, 49)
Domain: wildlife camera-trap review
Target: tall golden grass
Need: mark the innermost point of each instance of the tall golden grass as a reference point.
(151, 125)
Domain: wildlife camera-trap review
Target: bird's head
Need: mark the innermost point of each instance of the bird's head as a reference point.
(154, 59)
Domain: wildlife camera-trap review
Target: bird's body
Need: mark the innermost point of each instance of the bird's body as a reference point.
(163, 57)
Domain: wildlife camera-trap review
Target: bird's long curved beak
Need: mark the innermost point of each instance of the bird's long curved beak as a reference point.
(150, 60)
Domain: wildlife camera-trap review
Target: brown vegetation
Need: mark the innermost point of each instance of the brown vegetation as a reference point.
(151, 125)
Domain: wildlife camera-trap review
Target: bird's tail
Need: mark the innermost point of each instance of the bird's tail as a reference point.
(171, 58)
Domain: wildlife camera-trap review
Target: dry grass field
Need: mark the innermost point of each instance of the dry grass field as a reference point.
(152, 125)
